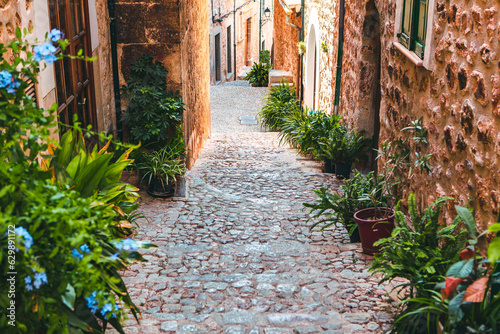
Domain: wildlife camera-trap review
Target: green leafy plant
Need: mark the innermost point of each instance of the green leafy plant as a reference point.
(153, 113)
(342, 145)
(279, 103)
(324, 47)
(305, 128)
(68, 257)
(301, 47)
(421, 253)
(259, 73)
(340, 207)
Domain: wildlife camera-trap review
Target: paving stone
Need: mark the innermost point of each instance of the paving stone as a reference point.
(169, 326)
(238, 317)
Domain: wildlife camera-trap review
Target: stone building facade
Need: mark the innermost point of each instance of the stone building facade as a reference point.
(234, 36)
(455, 89)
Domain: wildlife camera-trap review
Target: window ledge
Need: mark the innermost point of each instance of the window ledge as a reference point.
(410, 54)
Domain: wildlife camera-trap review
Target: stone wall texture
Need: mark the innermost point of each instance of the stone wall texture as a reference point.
(458, 96)
(286, 37)
(176, 32)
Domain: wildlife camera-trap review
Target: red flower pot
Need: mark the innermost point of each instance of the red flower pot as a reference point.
(371, 228)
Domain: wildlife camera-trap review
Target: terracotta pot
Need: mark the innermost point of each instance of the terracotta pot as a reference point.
(371, 230)
(329, 166)
(343, 171)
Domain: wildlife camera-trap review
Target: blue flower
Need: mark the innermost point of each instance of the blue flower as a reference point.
(84, 248)
(108, 307)
(5, 79)
(27, 280)
(28, 240)
(116, 310)
(92, 303)
(13, 86)
(127, 244)
(29, 287)
(76, 254)
(45, 52)
(55, 35)
(40, 278)
(114, 256)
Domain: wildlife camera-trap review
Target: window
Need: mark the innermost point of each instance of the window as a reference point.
(414, 26)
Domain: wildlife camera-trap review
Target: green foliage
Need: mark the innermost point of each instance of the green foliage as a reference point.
(324, 47)
(279, 103)
(165, 164)
(340, 208)
(420, 253)
(301, 47)
(305, 128)
(152, 112)
(60, 244)
(259, 73)
(342, 145)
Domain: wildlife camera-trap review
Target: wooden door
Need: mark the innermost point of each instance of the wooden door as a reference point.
(74, 78)
(217, 58)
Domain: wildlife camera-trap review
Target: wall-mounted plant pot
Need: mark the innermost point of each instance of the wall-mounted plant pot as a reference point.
(161, 189)
(372, 228)
(343, 171)
(329, 166)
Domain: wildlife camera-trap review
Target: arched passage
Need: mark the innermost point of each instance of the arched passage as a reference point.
(311, 86)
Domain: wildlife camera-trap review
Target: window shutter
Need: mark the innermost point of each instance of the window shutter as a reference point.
(404, 35)
(420, 27)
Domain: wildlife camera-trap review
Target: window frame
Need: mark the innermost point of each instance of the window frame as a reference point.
(408, 42)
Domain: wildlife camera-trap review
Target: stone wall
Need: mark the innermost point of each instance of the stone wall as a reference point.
(177, 34)
(458, 97)
(286, 37)
(195, 74)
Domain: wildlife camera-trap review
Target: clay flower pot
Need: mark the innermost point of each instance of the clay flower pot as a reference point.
(372, 229)
(343, 170)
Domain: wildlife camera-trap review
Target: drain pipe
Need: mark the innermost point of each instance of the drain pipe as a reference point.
(338, 79)
(234, 40)
(114, 65)
(301, 38)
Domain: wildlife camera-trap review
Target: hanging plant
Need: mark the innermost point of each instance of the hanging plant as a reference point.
(302, 47)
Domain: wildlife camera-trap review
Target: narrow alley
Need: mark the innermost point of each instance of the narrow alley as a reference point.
(236, 255)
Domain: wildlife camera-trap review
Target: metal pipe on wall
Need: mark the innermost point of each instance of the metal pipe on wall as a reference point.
(114, 65)
(234, 40)
(302, 30)
(338, 78)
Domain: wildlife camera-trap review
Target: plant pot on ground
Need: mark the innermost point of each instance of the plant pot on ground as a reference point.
(374, 224)
(161, 168)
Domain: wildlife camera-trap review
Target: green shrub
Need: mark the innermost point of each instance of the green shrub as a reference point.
(342, 145)
(153, 113)
(62, 246)
(305, 128)
(259, 73)
(339, 207)
(279, 103)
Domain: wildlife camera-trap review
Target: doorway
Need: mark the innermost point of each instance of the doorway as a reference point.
(217, 58)
(74, 77)
(248, 44)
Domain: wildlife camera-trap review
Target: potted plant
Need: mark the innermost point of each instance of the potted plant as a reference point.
(161, 168)
(341, 207)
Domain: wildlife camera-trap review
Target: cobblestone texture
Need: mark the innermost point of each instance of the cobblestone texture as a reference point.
(236, 255)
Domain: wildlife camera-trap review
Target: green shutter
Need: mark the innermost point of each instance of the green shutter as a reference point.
(404, 36)
(420, 27)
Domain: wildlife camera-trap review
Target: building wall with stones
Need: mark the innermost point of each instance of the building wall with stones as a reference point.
(221, 17)
(457, 94)
(322, 15)
(34, 16)
(286, 37)
(177, 34)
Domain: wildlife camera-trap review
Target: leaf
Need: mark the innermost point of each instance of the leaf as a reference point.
(495, 228)
(467, 253)
(461, 269)
(475, 291)
(451, 284)
(494, 251)
(468, 220)
(454, 311)
(68, 297)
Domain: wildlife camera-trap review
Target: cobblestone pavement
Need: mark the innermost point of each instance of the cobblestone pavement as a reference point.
(236, 255)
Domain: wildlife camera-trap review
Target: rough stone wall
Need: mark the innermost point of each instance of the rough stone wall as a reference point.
(286, 56)
(149, 26)
(458, 98)
(327, 32)
(15, 14)
(195, 74)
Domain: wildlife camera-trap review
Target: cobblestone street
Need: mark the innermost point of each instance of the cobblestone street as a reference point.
(236, 255)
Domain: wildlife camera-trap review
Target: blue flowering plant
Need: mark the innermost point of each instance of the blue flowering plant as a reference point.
(58, 249)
